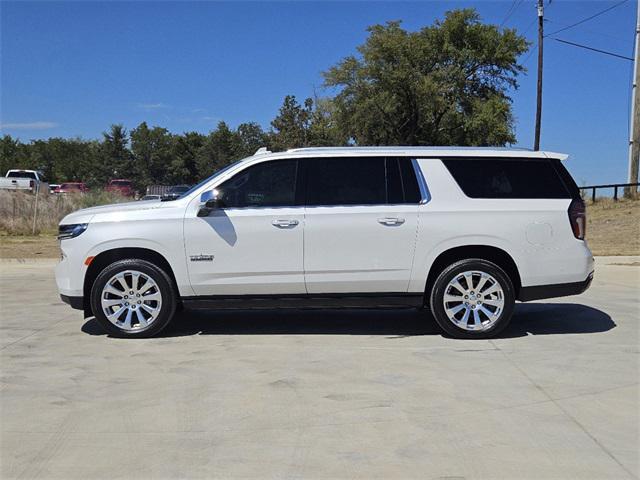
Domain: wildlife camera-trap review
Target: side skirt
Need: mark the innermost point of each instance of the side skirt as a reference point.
(318, 300)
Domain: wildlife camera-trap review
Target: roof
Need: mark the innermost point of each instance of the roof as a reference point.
(430, 151)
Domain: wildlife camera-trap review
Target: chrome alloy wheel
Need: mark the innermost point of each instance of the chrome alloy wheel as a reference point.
(473, 300)
(131, 300)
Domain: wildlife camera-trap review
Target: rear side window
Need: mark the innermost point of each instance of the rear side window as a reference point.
(360, 181)
(508, 178)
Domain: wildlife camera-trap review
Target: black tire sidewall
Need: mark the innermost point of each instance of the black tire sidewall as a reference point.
(437, 294)
(165, 286)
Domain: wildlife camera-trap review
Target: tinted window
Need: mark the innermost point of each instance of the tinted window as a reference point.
(21, 175)
(361, 181)
(268, 184)
(346, 181)
(507, 178)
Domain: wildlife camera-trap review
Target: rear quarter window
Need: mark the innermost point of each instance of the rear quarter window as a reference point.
(508, 178)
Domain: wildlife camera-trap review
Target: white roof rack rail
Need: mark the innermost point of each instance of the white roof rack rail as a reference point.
(262, 151)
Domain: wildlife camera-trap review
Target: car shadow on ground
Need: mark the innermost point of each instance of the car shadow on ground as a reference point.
(528, 319)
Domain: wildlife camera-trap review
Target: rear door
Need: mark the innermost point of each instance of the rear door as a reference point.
(361, 220)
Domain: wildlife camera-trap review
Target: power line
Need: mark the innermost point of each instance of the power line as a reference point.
(588, 18)
(511, 10)
(593, 49)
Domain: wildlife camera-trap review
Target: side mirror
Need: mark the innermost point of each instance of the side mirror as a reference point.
(209, 201)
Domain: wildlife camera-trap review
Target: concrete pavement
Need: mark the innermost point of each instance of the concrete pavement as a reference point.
(321, 394)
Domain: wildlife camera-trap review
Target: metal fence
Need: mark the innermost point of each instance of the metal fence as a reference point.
(615, 187)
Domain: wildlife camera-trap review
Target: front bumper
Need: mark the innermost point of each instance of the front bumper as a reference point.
(539, 292)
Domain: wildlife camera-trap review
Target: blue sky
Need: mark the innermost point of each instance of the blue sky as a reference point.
(72, 69)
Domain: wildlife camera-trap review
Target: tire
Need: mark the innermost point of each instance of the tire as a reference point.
(141, 314)
(481, 314)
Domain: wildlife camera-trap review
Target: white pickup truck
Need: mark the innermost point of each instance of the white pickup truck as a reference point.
(30, 180)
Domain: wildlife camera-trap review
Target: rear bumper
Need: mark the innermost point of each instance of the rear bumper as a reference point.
(74, 302)
(539, 292)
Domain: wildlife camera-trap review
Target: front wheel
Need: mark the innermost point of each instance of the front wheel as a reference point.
(133, 298)
(473, 298)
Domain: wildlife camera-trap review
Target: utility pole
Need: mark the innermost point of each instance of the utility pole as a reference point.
(634, 130)
(536, 142)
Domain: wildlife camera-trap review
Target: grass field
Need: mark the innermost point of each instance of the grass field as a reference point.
(613, 228)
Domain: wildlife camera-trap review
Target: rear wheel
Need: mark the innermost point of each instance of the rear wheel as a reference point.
(133, 298)
(473, 298)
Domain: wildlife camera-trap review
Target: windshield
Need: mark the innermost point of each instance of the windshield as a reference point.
(206, 180)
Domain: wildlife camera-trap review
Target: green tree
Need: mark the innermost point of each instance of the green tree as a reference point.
(291, 126)
(116, 159)
(221, 147)
(445, 84)
(183, 167)
(251, 138)
(152, 150)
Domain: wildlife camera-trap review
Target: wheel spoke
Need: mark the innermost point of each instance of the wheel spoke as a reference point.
(477, 323)
(148, 284)
(141, 320)
(149, 308)
(110, 302)
(152, 296)
(112, 291)
(483, 280)
(456, 284)
(493, 302)
(468, 276)
(121, 280)
(465, 318)
(456, 309)
(115, 315)
(492, 289)
(453, 298)
(127, 320)
(490, 315)
(135, 277)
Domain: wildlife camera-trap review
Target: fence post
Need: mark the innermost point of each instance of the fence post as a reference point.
(615, 193)
(593, 195)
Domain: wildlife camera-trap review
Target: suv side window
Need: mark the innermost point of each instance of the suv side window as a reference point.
(360, 181)
(267, 184)
(507, 178)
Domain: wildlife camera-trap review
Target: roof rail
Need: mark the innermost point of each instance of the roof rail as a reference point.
(262, 151)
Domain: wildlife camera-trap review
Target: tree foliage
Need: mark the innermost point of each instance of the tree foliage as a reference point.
(445, 84)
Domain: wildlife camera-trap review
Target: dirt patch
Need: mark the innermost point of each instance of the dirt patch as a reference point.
(613, 228)
(43, 246)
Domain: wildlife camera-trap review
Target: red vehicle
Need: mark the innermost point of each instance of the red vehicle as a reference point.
(122, 186)
(71, 187)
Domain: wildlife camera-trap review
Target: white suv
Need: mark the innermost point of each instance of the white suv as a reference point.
(463, 232)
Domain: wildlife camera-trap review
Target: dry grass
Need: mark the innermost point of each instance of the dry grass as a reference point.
(17, 210)
(613, 228)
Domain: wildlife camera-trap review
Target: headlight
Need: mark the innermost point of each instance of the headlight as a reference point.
(71, 231)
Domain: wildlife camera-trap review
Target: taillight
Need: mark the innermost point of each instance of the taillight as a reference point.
(578, 218)
(32, 184)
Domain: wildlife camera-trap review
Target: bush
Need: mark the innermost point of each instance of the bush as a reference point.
(17, 209)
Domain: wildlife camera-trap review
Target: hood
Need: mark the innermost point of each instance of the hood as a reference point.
(86, 214)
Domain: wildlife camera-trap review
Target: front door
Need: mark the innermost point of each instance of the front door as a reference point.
(361, 222)
(253, 245)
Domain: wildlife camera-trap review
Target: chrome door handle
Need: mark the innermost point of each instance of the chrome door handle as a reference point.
(284, 223)
(391, 221)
